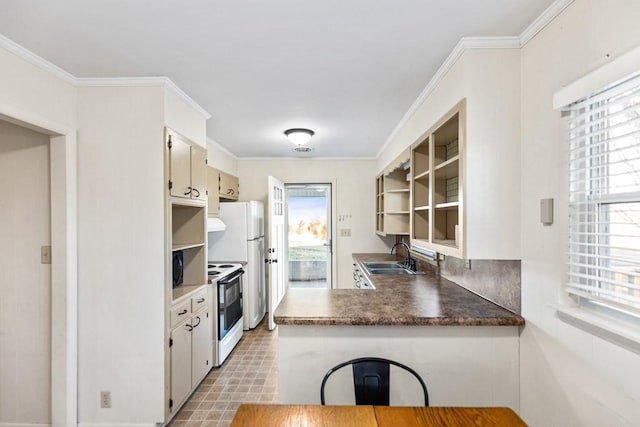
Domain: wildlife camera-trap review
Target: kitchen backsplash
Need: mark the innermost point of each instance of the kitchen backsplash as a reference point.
(496, 280)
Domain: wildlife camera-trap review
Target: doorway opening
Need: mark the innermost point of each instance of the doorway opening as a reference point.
(309, 245)
(25, 260)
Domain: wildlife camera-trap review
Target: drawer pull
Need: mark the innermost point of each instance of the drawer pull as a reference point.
(196, 191)
(183, 312)
(196, 325)
(189, 327)
(200, 300)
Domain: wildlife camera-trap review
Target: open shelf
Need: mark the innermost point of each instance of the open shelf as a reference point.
(184, 246)
(437, 166)
(421, 176)
(188, 234)
(447, 169)
(393, 197)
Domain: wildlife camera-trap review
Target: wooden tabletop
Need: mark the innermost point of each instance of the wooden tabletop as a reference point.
(254, 415)
(273, 415)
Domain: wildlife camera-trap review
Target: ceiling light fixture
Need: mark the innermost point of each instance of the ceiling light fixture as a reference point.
(299, 136)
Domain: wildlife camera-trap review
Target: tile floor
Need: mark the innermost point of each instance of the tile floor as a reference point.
(248, 375)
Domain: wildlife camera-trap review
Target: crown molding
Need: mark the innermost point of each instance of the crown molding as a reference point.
(543, 20)
(464, 44)
(160, 81)
(295, 159)
(38, 61)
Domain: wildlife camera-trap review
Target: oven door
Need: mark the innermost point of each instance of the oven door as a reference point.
(229, 302)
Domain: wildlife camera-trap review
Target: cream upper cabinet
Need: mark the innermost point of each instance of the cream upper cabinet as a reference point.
(198, 173)
(229, 186)
(187, 168)
(213, 178)
(437, 186)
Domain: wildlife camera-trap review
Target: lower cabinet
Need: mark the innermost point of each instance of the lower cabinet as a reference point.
(200, 347)
(180, 362)
(191, 352)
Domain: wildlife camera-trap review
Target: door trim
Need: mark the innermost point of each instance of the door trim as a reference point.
(64, 265)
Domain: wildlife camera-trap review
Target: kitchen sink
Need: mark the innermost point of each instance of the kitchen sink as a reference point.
(400, 270)
(383, 264)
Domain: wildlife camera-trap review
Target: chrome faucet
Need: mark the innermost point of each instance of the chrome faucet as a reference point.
(407, 260)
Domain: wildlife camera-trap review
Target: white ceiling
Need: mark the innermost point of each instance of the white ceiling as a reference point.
(348, 69)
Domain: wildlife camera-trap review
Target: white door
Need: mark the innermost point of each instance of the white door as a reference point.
(276, 256)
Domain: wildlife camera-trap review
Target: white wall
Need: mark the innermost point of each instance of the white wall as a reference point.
(354, 180)
(34, 97)
(25, 284)
(122, 254)
(489, 80)
(568, 377)
(184, 119)
(221, 158)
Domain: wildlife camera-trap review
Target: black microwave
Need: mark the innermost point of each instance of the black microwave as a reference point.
(178, 268)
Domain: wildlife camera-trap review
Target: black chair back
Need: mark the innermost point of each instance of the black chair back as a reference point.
(371, 380)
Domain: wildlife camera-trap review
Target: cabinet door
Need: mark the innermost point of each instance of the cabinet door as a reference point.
(180, 165)
(228, 186)
(198, 173)
(201, 351)
(213, 181)
(180, 363)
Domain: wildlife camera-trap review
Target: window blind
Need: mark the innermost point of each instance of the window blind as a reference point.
(604, 199)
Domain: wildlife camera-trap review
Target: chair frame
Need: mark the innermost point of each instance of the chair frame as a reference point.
(382, 363)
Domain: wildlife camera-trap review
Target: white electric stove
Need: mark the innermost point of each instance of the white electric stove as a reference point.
(227, 278)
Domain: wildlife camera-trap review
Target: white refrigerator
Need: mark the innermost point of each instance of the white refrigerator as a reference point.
(243, 241)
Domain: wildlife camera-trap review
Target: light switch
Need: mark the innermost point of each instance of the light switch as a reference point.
(546, 211)
(45, 255)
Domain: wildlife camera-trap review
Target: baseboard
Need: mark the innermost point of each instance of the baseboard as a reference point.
(23, 425)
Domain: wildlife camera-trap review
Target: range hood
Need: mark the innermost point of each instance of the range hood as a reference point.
(215, 224)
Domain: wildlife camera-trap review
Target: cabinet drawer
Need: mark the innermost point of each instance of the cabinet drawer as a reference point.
(180, 313)
(199, 301)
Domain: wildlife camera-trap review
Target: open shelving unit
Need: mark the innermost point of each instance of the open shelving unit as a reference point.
(393, 198)
(436, 162)
(188, 225)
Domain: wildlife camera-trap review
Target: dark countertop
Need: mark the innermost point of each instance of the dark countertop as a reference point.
(423, 299)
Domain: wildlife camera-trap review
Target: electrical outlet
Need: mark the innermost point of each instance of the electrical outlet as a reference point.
(105, 399)
(345, 232)
(467, 264)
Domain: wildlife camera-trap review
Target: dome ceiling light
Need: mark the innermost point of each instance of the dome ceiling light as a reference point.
(299, 136)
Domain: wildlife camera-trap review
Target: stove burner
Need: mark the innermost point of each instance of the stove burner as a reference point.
(225, 266)
(213, 273)
(211, 265)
